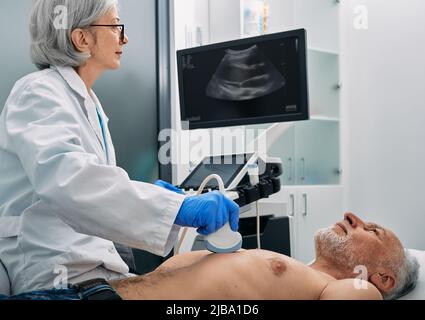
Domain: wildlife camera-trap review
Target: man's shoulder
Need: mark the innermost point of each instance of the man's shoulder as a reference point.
(350, 289)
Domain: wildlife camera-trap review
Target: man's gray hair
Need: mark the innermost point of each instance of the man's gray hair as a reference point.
(407, 276)
(51, 24)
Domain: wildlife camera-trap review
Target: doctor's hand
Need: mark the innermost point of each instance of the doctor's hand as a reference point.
(208, 212)
(168, 186)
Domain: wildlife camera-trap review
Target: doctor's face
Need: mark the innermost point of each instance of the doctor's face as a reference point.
(352, 242)
(107, 49)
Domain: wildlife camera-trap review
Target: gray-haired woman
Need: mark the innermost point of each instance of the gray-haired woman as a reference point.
(63, 200)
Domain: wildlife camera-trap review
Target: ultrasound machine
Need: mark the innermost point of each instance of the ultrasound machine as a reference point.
(249, 81)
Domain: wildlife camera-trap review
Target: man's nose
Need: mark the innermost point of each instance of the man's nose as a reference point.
(353, 220)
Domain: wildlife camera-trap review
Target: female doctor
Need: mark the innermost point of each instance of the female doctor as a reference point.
(63, 200)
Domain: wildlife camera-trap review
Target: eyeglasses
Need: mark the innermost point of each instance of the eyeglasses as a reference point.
(119, 27)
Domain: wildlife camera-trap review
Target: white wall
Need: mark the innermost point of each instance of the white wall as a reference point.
(15, 59)
(225, 20)
(281, 15)
(383, 76)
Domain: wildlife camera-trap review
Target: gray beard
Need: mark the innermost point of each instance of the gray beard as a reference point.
(335, 248)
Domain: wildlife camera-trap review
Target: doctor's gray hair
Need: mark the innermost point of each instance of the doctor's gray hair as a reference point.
(407, 276)
(51, 24)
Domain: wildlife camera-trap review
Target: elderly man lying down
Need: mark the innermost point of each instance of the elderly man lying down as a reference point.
(354, 260)
(345, 252)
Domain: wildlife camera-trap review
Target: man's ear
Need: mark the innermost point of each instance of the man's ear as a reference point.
(383, 280)
(81, 40)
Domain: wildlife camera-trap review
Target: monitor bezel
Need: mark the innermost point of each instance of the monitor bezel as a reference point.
(304, 113)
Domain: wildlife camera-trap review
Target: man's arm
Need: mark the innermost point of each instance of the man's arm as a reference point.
(350, 289)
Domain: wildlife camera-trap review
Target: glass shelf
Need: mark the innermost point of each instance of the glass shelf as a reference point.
(324, 118)
(322, 50)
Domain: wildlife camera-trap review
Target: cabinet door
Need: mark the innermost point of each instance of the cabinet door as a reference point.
(288, 195)
(317, 153)
(318, 207)
(324, 85)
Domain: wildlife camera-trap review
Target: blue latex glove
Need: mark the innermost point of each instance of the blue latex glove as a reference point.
(168, 186)
(208, 212)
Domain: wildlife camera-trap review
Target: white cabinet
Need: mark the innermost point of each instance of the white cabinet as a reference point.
(310, 153)
(311, 208)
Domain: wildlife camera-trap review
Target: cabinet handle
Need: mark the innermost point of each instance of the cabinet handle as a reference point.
(292, 213)
(305, 204)
(290, 169)
(302, 169)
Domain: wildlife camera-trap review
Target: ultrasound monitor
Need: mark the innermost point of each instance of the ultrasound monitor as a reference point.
(248, 81)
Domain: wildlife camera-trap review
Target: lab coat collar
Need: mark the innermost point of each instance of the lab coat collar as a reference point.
(78, 85)
(73, 79)
(90, 101)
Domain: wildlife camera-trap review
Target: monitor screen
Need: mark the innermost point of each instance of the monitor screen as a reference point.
(249, 81)
(227, 167)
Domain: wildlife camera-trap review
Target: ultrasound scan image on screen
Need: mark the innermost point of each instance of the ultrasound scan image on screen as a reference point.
(244, 75)
(262, 80)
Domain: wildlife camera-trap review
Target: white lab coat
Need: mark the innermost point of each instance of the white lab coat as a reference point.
(59, 197)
